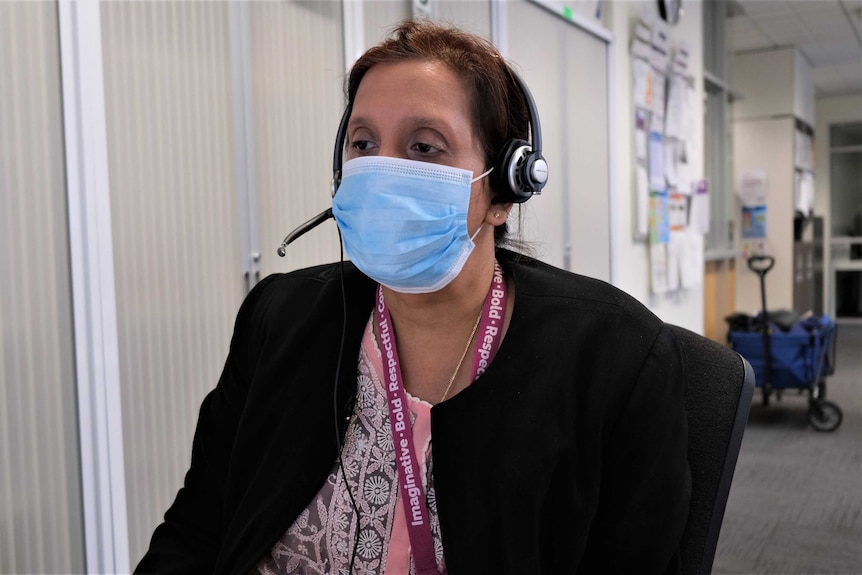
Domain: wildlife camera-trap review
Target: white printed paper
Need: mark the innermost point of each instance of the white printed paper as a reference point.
(658, 268)
(656, 162)
(641, 135)
(674, 254)
(675, 111)
(752, 188)
(670, 173)
(698, 220)
(642, 192)
(691, 260)
(642, 83)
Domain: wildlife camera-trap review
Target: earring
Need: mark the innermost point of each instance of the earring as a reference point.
(496, 215)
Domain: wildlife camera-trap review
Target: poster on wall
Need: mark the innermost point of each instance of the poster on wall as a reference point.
(753, 187)
(753, 222)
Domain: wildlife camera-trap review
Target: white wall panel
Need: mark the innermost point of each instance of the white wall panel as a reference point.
(172, 162)
(41, 522)
(297, 73)
(566, 69)
(381, 16)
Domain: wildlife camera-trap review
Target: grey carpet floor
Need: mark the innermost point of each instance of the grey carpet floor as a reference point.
(795, 504)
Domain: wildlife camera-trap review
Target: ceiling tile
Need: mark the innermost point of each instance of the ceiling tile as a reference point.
(807, 6)
(742, 24)
(745, 36)
(765, 7)
(824, 19)
(816, 55)
(848, 69)
(825, 74)
(786, 26)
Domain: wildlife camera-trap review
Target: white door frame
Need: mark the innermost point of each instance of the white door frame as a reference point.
(100, 422)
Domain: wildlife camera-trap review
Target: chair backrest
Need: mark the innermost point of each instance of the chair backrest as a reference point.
(719, 389)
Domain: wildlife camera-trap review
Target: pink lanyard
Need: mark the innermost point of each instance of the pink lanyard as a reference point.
(412, 491)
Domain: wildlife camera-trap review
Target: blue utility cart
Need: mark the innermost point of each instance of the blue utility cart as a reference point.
(789, 353)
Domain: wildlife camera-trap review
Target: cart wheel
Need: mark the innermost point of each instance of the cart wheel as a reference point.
(824, 415)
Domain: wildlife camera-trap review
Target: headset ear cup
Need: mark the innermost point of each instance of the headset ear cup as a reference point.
(508, 177)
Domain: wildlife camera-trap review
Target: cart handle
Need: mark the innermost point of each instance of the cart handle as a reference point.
(761, 264)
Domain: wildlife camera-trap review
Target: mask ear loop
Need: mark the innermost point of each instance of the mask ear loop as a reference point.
(473, 181)
(480, 176)
(476, 233)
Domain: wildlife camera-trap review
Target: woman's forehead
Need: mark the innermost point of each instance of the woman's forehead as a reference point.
(426, 92)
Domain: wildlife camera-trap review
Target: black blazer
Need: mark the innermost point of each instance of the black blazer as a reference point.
(568, 455)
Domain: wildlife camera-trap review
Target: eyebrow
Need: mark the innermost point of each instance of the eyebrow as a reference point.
(412, 121)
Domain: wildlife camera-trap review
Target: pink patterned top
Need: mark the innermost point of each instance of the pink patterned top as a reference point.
(321, 540)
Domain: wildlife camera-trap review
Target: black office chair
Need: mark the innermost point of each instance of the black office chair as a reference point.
(719, 388)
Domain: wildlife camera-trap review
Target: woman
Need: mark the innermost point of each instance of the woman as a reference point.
(559, 446)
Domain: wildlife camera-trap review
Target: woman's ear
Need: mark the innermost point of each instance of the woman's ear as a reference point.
(497, 214)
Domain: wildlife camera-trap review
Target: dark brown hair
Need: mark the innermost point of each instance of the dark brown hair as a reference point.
(498, 106)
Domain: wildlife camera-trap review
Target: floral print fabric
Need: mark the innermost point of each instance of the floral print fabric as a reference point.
(321, 540)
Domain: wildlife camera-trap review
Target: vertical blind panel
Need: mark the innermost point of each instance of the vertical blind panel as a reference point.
(41, 517)
(297, 75)
(536, 39)
(555, 58)
(471, 15)
(587, 142)
(380, 16)
(172, 163)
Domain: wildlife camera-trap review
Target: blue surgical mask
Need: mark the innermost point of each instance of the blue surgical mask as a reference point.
(403, 222)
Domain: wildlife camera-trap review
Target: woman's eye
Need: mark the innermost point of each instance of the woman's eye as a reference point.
(361, 145)
(424, 148)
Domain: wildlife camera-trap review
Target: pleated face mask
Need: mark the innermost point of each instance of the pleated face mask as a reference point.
(403, 222)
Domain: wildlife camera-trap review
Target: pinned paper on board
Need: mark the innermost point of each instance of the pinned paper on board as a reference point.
(691, 260)
(677, 212)
(643, 79)
(659, 227)
(684, 169)
(670, 173)
(641, 135)
(642, 192)
(675, 114)
(656, 162)
(698, 219)
(675, 249)
(658, 95)
(658, 268)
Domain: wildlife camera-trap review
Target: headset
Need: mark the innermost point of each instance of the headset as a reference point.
(519, 171)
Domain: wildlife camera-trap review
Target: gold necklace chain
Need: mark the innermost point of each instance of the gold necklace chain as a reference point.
(463, 355)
